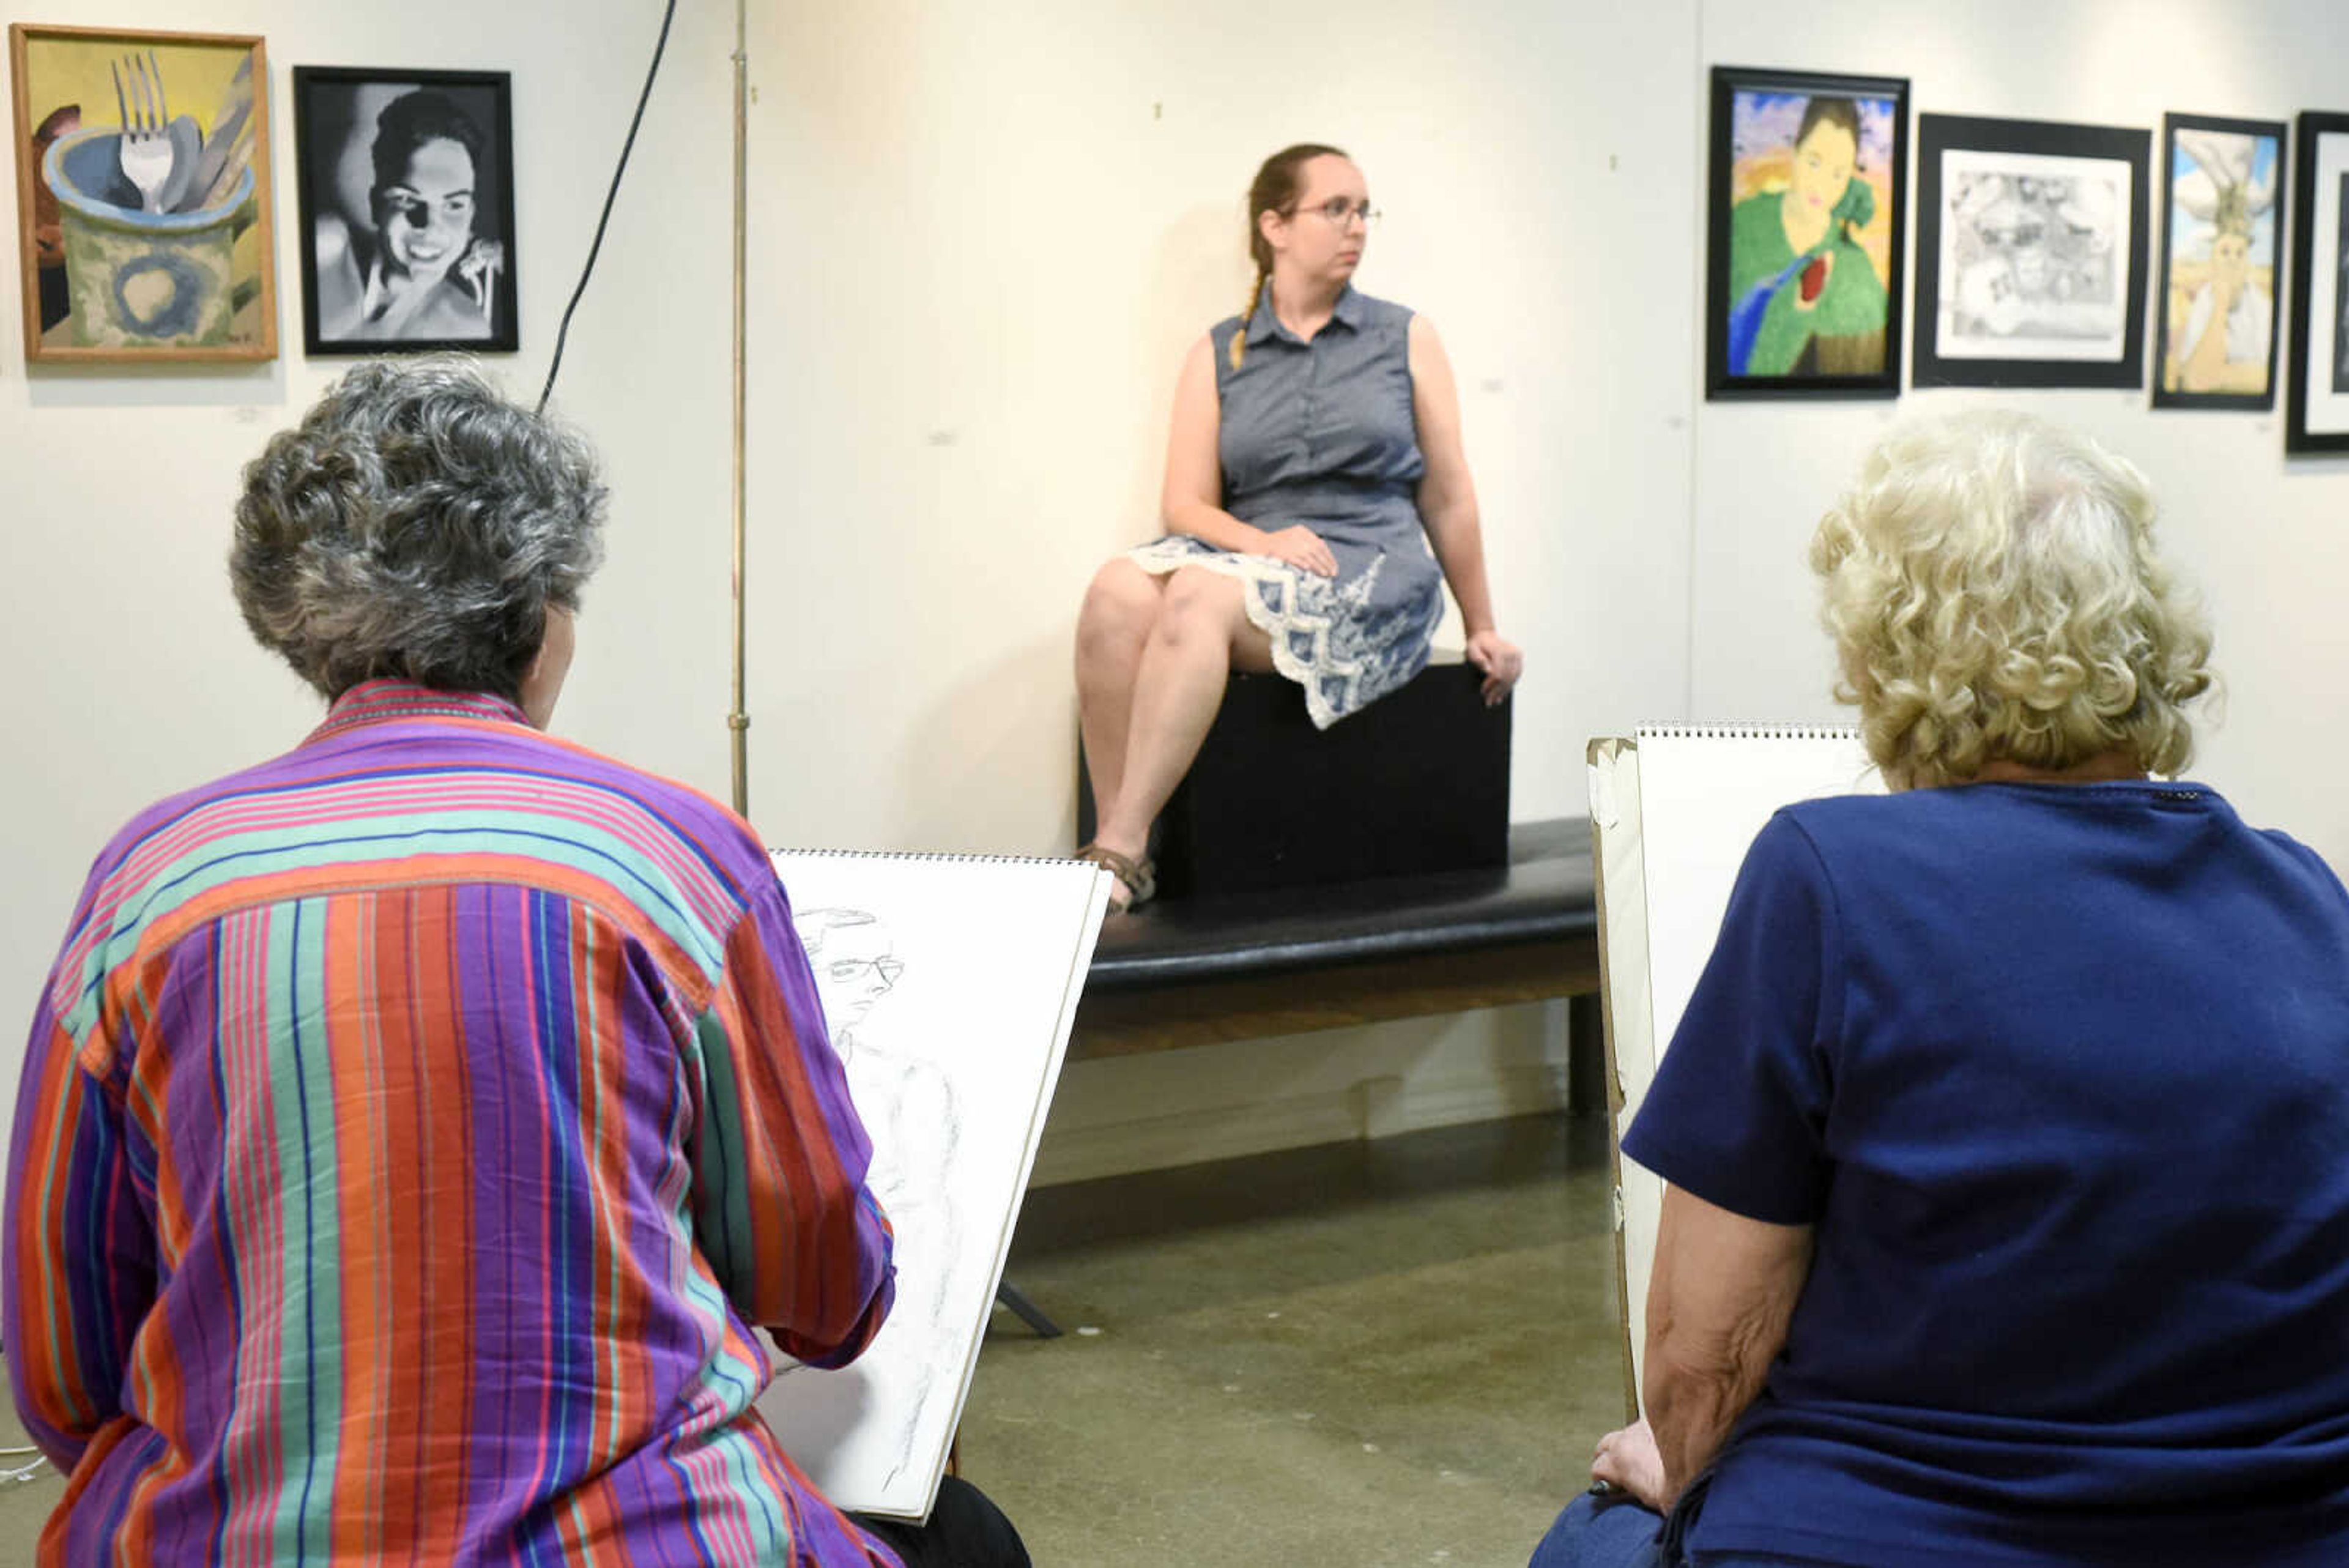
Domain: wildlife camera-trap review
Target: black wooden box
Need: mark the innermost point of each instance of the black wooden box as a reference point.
(1417, 782)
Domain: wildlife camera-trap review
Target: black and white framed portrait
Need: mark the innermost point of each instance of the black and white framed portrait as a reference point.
(2316, 387)
(407, 192)
(2030, 254)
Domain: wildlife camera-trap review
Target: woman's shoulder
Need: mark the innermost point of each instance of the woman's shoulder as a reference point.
(1382, 314)
(1856, 270)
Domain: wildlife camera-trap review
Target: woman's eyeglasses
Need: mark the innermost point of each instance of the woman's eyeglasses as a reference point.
(1339, 211)
(849, 971)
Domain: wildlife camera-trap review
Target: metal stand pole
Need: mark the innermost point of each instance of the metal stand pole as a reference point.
(738, 720)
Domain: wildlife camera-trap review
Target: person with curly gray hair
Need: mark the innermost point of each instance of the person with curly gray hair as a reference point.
(415, 527)
(2006, 1134)
(418, 1125)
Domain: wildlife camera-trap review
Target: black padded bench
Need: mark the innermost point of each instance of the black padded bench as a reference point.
(1193, 971)
(1190, 971)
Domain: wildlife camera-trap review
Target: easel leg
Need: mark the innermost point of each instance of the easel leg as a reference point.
(1026, 1310)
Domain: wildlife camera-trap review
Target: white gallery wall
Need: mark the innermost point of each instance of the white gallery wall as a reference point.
(984, 236)
(2267, 540)
(983, 233)
(130, 675)
(987, 232)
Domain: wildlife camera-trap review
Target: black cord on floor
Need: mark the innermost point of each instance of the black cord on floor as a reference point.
(595, 249)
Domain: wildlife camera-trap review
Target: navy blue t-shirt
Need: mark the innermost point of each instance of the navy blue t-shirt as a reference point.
(2060, 1075)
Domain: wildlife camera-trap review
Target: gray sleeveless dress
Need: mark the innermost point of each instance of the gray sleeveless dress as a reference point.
(1323, 433)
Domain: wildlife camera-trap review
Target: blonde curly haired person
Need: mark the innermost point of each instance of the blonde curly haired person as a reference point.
(2006, 1134)
(1995, 595)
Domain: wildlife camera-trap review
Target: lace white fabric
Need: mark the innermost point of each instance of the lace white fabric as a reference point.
(1328, 634)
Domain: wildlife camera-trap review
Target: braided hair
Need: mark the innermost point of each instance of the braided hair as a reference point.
(1275, 190)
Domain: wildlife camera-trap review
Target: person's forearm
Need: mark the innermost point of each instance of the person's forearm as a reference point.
(2206, 363)
(1691, 1410)
(1720, 1301)
(1458, 540)
(875, 1260)
(1216, 526)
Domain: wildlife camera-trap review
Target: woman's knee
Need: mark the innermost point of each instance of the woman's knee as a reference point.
(1120, 604)
(1199, 602)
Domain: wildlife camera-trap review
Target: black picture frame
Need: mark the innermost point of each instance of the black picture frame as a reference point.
(352, 298)
(2315, 424)
(1752, 306)
(2032, 301)
(2235, 198)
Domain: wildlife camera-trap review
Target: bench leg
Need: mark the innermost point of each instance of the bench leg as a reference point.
(1585, 1057)
(1026, 1310)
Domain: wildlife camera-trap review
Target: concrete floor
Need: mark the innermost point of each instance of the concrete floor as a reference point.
(24, 1505)
(1391, 1353)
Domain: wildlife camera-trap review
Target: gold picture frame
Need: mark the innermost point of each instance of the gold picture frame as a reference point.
(144, 195)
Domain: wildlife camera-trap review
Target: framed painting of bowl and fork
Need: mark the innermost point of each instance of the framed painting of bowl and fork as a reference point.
(143, 194)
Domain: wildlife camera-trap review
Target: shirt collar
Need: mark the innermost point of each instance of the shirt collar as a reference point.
(1264, 324)
(382, 702)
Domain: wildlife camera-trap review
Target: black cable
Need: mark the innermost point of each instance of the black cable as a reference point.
(609, 197)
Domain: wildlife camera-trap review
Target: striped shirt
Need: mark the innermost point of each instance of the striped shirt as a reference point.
(413, 1130)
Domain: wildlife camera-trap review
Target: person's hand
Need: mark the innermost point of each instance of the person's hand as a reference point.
(2224, 287)
(1300, 546)
(1500, 660)
(478, 271)
(1629, 1459)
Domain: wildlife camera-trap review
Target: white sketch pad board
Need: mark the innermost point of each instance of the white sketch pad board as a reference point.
(951, 1005)
(1674, 811)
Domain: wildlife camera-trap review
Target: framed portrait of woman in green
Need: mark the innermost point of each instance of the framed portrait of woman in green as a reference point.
(1804, 211)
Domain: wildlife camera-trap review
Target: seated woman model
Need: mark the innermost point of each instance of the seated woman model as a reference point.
(1314, 457)
(2007, 1131)
(418, 1125)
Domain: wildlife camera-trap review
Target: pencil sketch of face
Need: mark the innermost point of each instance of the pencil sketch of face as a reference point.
(2086, 228)
(855, 963)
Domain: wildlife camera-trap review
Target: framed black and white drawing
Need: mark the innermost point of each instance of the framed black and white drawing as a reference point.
(1805, 234)
(407, 206)
(2030, 254)
(2214, 321)
(2316, 394)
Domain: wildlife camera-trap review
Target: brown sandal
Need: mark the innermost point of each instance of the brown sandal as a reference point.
(1140, 877)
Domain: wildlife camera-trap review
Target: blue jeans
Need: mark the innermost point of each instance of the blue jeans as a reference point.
(1611, 1530)
(1608, 1531)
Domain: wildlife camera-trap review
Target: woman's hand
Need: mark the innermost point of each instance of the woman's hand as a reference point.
(477, 270)
(1500, 660)
(1629, 1459)
(1299, 546)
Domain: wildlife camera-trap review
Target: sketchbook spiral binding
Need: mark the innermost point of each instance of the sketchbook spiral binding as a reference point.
(1748, 731)
(927, 855)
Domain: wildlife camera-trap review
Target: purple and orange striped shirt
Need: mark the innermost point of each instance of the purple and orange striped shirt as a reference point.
(412, 1131)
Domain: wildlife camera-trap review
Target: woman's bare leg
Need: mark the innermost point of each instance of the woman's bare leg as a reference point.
(1202, 633)
(1114, 626)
